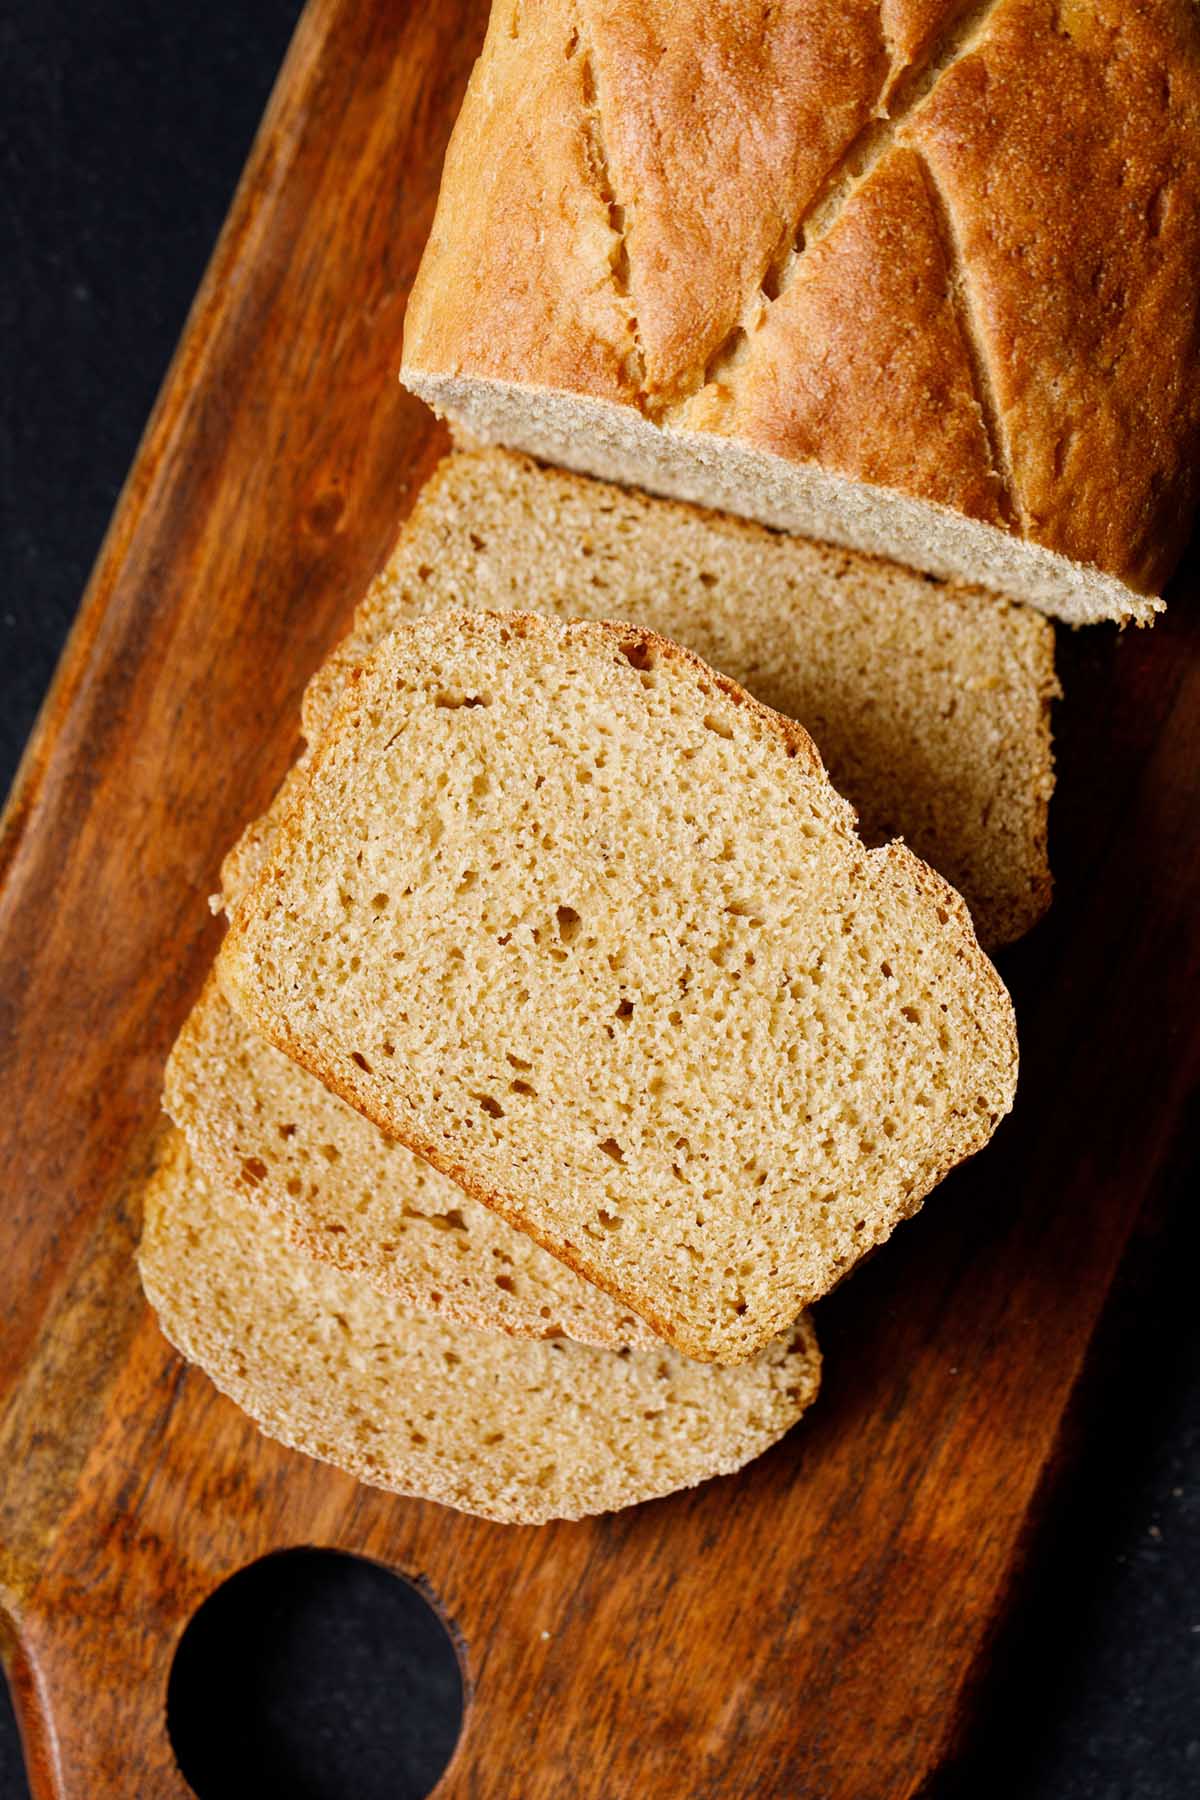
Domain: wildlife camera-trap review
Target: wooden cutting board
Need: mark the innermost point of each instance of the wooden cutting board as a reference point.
(813, 1627)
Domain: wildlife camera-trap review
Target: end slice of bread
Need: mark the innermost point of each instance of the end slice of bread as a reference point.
(508, 1428)
(260, 1126)
(589, 929)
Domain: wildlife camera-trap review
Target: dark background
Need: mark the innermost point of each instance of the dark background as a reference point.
(123, 127)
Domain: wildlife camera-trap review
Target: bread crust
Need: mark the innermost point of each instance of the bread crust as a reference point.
(877, 295)
(1063, 148)
(786, 89)
(1067, 146)
(523, 240)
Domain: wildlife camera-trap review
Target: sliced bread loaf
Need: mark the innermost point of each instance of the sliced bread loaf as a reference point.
(508, 1428)
(259, 1125)
(588, 928)
(919, 281)
(930, 701)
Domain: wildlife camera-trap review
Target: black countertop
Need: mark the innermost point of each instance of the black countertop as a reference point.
(124, 128)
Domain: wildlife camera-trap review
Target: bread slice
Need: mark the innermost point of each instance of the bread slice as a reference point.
(260, 1126)
(930, 701)
(928, 292)
(588, 928)
(509, 1428)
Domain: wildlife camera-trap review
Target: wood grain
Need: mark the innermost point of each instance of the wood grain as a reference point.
(811, 1628)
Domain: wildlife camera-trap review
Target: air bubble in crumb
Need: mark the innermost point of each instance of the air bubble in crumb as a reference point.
(568, 922)
(638, 654)
(452, 699)
(721, 729)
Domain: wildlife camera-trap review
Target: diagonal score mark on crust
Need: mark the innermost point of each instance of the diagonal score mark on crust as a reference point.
(891, 50)
(901, 95)
(596, 157)
(977, 355)
(876, 138)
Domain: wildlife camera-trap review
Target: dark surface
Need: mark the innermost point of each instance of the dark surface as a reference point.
(258, 1655)
(123, 131)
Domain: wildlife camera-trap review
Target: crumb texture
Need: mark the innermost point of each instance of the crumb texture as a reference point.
(260, 1126)
(930, 702)
(508, 1428)
(589, 929)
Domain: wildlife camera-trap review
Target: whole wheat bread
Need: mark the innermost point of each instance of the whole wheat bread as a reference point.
(588, 928)
(260, 1126)
(509, 1428)
(924, 282)
(930, 701)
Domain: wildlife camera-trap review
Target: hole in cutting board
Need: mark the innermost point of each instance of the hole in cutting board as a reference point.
(317, 1675)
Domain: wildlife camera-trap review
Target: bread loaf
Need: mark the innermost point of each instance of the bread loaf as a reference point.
(589, 929)
(259, 1126)
(508, 1428)
(920, 281)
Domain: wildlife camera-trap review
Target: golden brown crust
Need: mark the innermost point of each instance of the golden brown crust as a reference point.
(618, 256)
(1067, 145)
(868, 336)
(912, 27)
(517, 278)
(785, 89)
